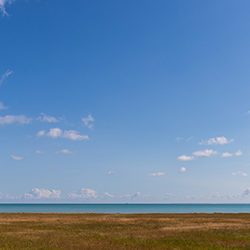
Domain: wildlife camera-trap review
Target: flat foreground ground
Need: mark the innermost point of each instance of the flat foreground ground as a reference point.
(118, 231)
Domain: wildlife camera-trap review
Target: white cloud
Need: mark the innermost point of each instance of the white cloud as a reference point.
(218, 140)
(8, 72)
(16, 158)
(108, 195)
(178, 139)
(55, 132)
(47, 118)
(190, 138)
(88, 195)
(110, 172)
(2, 107)
(74, 135)
(238, 153)
(9, 119)
(2, 6)
(206, 152)
(239, 173)
(88, 121)
(42, 193)
(136, 195)
(182, 170)
(64, 151)
(226, 154)
(85, 193)
(169, 195)
(68, 134)
(39, 152)
(157, 174)
(185, 158)
(132, 196)
(40, 133)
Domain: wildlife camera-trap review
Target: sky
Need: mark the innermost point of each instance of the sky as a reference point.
(125, 101)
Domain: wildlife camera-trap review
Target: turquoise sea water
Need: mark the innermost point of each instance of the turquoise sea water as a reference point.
(125, 208)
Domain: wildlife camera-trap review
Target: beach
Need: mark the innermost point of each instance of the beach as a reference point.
(124, 231)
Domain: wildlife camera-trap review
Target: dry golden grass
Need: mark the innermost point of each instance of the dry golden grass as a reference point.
(118, 231)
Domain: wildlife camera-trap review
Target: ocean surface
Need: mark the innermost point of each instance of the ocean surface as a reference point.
(125, 208)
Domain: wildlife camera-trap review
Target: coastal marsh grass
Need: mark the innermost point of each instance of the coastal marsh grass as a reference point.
(124, 231)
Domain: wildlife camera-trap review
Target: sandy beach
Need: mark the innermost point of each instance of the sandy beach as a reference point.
(123, 231)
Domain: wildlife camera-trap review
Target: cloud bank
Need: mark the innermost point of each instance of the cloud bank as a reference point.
(42, 193)
(83, 194)
(89, 195)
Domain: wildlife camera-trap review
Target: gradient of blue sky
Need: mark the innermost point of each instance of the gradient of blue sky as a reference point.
(148, 73)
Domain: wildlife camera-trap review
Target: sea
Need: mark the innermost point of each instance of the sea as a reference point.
(124, 208)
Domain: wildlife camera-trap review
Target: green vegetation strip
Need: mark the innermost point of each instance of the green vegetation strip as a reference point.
(118, 231)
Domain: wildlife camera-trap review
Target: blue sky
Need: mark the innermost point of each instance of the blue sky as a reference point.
(124, 101)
